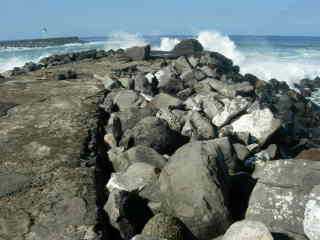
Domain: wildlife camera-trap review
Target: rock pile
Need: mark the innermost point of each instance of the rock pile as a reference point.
(184, 138)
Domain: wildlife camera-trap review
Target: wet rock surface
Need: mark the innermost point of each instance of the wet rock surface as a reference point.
(155, 145)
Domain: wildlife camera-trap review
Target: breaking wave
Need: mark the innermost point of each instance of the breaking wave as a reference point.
(281, 61)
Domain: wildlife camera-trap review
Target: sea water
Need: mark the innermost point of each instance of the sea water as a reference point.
(286, 58)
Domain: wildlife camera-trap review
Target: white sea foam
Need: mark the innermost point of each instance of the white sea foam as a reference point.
(167, 44)
(124, 40)
(214, 41)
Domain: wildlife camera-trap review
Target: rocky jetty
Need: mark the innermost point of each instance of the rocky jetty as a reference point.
(41, 42)
(183, 147)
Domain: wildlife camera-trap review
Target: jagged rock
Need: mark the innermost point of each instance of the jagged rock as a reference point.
(126, 99)
(142, 84)
(127, 212)
(260, 123)
(198, 127)
(65, 75)
(121, 161)
(31, 66)
(188, 184)
(191, 77)
(241, 151)
(217, 61)
(174, 121)
(181, 64)
(129, 117)
(169, 82)
(244, 89)
(247, 230)
(155, 133)
(137, 178)
(188, 47)
(165, 101)
(229, 110)
(286, 197)
(138, 53)
(108, 82)
(310, 154)
(164, 227)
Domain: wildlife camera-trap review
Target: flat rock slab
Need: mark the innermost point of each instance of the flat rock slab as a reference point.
(44, 193)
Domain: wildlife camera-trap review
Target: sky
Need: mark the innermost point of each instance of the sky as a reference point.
(26, 18)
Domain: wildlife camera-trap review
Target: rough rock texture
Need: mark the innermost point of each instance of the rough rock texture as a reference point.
(140, 153)
(189, 187)
(286, 197)
(187, 47)
(260, 123)
(155, 133)
(164, 226)
(44, 192)
(138, 53)
(247, 230)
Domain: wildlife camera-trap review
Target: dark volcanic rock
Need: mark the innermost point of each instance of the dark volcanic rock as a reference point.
(138, 53)
(65, 75)
(190, 188)
(188, 47)
(155, 133)
(139, 153)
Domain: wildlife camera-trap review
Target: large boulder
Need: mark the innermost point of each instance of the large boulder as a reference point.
(127, 212)
(140, 153)
(247, 230)
(169, 81)
(138, 53)
(165, 101)
(155, 133)
(127, 99)
(260, 123)
(191, 190)
(188, 47)
(286, 197)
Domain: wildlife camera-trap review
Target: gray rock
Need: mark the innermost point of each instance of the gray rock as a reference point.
(127, 212)
(127, 99)
(188, 47)
(155, 133)
(122, 160)
(65, 74)
(239, 89)
(286, 197)
(108, 82)
(136, 178)
(247, 230)
(173, 120)
(199, 127)
(164, 227)
(164, 101)
(181, 64)
(142, 84)
(230, 109)
(169, 82)
(241, 151)
(138, 53)
(188, 184)
(129, 117)
(260, 123)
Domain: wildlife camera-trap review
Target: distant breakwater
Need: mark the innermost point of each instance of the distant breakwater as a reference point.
(43, 42)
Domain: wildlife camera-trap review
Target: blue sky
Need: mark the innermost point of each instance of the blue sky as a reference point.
(25, 18)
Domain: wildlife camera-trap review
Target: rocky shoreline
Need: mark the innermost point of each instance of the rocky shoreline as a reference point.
(182, 147)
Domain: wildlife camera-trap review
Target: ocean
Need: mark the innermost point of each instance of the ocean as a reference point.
(282, 57)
